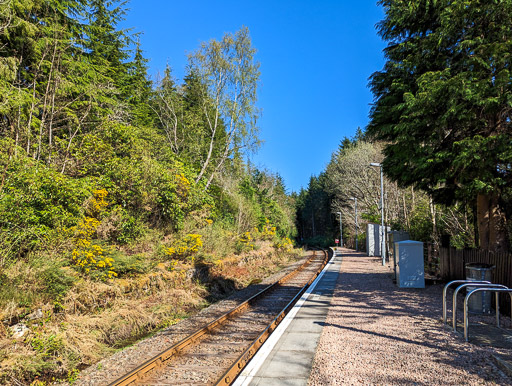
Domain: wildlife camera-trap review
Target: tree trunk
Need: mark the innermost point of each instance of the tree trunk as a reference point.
(491, 222)
(406, 215)
(433, 215)
(413, 200)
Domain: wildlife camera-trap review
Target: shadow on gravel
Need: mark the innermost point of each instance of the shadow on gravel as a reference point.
(444, 352)
(396, 338)
(369, 297)
(376, 291)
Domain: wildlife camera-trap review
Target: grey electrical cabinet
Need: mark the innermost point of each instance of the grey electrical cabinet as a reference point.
(374, 239)
(410, 268)
(372, 236)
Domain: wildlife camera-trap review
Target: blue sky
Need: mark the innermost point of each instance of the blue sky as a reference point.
(316, 57)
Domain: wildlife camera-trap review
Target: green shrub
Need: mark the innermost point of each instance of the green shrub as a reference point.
(218, 238)
(121, 227)
(42, 279)
(421, 224)
(36, 195)
(127, 265)
(36, 202)
(47, 345)
(57, 280)
(11, 290)
(129, 229)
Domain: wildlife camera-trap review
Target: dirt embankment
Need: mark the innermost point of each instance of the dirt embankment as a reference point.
(95, 318)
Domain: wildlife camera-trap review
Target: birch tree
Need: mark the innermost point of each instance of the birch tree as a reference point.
(230, 75)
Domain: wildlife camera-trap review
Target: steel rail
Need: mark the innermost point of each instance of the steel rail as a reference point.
(230, 375)
(158, 360)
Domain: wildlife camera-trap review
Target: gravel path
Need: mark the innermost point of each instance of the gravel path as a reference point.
(377, 333)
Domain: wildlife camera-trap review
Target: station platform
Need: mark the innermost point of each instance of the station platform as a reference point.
(287, 356)
(357, 327)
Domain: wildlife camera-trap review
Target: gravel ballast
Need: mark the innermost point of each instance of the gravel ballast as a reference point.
(377, 333)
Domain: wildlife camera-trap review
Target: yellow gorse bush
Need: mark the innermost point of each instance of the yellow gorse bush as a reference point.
(173, 265)
(284, 245)
(98, 202)
(86, 229)
(86, 255)
(246, 240)
(269, 231)
(183, 185)
(185, 247)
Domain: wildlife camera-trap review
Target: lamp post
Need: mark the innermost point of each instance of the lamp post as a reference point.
(382, 229)
(355, 202)
(341, 231)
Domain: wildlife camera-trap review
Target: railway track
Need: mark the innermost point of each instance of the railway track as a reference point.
(217, 352)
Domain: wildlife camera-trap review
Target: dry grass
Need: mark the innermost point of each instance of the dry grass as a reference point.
(95, 318)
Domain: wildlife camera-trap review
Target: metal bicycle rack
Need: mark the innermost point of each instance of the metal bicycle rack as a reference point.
(481, 287)
(445, 290)
(466, 311)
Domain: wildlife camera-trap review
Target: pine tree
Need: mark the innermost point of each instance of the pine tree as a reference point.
(314, 209)
(139, 93)
(197, 133)
(107, 56)
(443, 103)
(39, 50)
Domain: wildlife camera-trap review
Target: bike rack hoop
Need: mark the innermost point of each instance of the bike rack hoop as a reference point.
(469, 294)
(470, 284)
(445, 290)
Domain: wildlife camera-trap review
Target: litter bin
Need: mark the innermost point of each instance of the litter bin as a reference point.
(479, 303)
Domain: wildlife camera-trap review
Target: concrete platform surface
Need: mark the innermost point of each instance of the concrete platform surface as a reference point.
(288, 357)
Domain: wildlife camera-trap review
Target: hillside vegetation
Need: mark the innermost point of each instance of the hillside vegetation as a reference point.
(125, 204)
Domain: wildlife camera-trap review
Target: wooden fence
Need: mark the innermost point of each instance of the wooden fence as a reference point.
(452, 262)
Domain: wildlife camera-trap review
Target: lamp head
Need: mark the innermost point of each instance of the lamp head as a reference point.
(377, 164)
